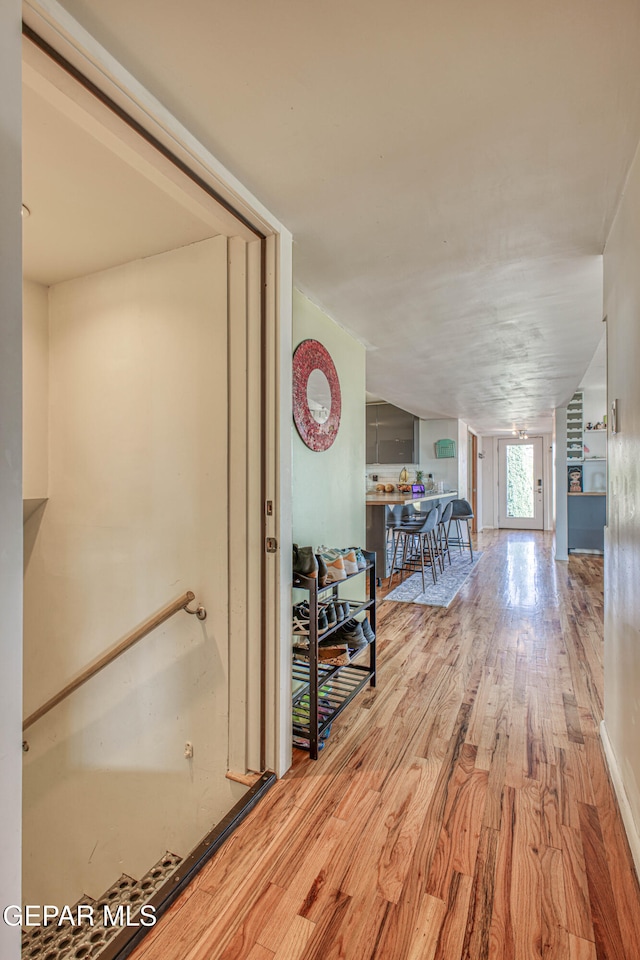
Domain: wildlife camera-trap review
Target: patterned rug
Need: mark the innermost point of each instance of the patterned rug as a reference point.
(438, 594)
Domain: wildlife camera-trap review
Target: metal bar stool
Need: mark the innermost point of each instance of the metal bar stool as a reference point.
(443, 533)
(418, 547)
(393, 520)
(461, 512)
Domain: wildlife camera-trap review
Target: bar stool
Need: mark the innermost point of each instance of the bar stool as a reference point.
(461, 511)
(393, 520)
(418, 547)
(443, 532)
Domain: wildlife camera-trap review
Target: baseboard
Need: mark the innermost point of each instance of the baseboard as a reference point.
(630, 827)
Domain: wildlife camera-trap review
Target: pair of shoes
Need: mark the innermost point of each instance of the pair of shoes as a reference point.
(336, 611)
(340, 563)
(302, 619)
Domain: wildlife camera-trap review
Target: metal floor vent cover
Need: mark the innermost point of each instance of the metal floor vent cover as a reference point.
(86, 942)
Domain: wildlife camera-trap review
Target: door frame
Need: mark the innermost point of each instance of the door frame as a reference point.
(499, 503)
(65, 40)
(472, 482)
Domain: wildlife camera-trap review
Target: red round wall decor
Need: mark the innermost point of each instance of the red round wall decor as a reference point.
(310, 355)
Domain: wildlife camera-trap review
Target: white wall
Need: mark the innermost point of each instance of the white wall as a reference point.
(329, 487)
(486, 470)
(137, 514)
(10, 469)
(622, 536)
(35, 392)
(560, 485)
(463, 460)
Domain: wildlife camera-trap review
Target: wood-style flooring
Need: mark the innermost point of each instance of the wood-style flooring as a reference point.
(461, 810)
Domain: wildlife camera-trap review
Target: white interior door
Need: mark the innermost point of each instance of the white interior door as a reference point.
(520, 483)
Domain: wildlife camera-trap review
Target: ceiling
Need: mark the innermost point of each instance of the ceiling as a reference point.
(89, 208)
(450, 171)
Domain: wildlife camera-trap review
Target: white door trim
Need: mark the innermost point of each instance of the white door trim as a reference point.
(537, 522)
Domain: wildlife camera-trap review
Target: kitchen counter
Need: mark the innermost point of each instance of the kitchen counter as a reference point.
(374, 499)
(377, 519)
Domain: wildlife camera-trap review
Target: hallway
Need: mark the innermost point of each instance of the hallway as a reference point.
(461, 810)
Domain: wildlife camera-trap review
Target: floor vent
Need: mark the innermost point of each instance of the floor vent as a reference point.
(85, 942)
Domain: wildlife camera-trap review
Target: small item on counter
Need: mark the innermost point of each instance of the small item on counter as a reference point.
(575, 479)
(380, 487)
(389, 488)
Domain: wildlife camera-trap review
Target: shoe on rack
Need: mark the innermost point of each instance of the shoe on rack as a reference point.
(352, 634)
(335, 564)
(362, 563)
(322, 570)
(343, 610)
(304, 561)
(336, 655)
(350, 561)
(301, 620)
(367, 629)
(331, 613)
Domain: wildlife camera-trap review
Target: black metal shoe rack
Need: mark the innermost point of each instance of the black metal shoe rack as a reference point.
(325, 690)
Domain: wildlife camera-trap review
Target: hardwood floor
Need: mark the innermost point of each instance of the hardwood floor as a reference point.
(460, 810)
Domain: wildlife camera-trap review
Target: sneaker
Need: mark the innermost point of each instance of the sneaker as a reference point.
(322, 570)
(343, 609)
(367, 629)
(335, 564)
(362, 563)
(350, 561)
(331, 613)
(301, 620)
(304, 562)
(352, 634)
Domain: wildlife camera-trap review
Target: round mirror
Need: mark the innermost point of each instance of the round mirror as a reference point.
(319, 396)
(317, 403)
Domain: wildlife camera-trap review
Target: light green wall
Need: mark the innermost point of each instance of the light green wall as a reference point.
(329, 487)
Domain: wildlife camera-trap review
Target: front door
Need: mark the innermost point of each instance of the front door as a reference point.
(520, 484)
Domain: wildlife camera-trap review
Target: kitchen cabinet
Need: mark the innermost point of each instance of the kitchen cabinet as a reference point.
(391, 434)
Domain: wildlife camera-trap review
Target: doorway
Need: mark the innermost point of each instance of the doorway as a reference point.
(143, 480)
(520, 484)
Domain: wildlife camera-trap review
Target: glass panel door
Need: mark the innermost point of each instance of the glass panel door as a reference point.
(520, 484)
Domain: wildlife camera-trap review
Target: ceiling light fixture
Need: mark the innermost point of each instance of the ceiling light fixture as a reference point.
(523, 435)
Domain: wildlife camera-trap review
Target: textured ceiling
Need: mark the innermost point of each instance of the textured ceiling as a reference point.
(450, 171)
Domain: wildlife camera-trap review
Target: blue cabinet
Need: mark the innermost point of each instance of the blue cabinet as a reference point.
(587, 515)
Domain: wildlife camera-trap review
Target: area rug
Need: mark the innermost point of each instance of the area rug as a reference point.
(438, 594)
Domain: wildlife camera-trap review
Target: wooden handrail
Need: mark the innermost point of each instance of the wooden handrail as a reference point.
(181, 603)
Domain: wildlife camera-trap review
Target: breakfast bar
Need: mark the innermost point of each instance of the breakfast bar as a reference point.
(377, 504)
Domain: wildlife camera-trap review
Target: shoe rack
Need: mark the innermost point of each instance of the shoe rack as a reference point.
(321, 690)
